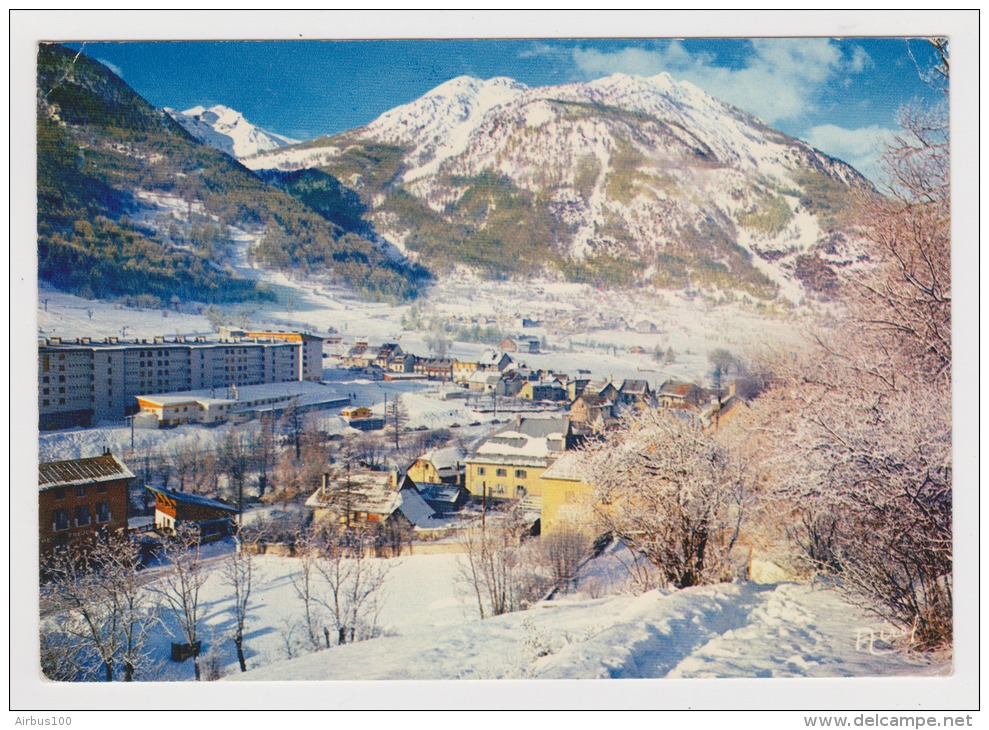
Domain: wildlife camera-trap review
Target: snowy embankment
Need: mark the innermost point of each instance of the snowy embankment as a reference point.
(430, 630)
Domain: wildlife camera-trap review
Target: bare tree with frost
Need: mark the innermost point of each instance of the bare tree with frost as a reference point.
(96, 614)
(860, 424)
(671, 492)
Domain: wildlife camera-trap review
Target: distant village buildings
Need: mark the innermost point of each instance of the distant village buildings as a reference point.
(529, 459)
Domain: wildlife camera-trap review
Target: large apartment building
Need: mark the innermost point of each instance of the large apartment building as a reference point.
(84, 382)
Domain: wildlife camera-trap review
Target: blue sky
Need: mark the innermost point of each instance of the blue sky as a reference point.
(842, 96)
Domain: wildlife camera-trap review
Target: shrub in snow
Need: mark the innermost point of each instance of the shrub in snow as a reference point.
(672, 493)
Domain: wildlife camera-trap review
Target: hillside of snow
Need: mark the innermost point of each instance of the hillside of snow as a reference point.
(228, 131)
(430, 630)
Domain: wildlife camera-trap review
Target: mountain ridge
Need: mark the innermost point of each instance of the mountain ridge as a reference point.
(645, 174)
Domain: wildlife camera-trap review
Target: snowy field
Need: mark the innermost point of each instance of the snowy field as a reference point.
(430, 630)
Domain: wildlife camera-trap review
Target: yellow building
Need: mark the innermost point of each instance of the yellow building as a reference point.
(438, 466)
(568, 501)
(509, 464)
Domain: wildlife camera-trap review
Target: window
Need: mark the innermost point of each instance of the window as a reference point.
(81, 491)
(82, 515)
(101, 488)
(60, 520)
(519, 491)
(102, 511)
(480, 471)
(59, 494)
(501, 472)
(521, 474)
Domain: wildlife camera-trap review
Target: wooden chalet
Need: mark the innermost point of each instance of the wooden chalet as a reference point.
(369, 498)
(79, 498)
(213, 518)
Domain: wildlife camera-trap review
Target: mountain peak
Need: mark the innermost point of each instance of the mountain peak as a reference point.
(228, 130)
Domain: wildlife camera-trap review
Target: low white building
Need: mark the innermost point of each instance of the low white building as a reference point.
(236, 405)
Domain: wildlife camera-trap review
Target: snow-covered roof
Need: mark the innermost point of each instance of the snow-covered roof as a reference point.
(491, 357)
(74, 472)
(528, 438)
(485, 377)
(634, 386)
(363, 491)
(596, 387)
(414, 507)
(547, 383)
(193, 499)
(677, 388)
(306, 393)
(445, 458)
(567, 468)
(433, 492)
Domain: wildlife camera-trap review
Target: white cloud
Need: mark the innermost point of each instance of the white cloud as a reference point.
(861, 148)
(112, 66)
(781, 80)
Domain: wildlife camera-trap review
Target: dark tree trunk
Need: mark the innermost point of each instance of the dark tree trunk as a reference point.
(109, 671)
(128, 671)
(239, 643)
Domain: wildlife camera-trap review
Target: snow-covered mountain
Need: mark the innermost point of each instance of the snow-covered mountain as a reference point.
(677, 186)
(228, 131)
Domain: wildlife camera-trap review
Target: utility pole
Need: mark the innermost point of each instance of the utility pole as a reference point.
(484, 505)
(395, 406)
(348, 494)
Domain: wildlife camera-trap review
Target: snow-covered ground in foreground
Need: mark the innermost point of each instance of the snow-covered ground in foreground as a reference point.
(430, 630)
